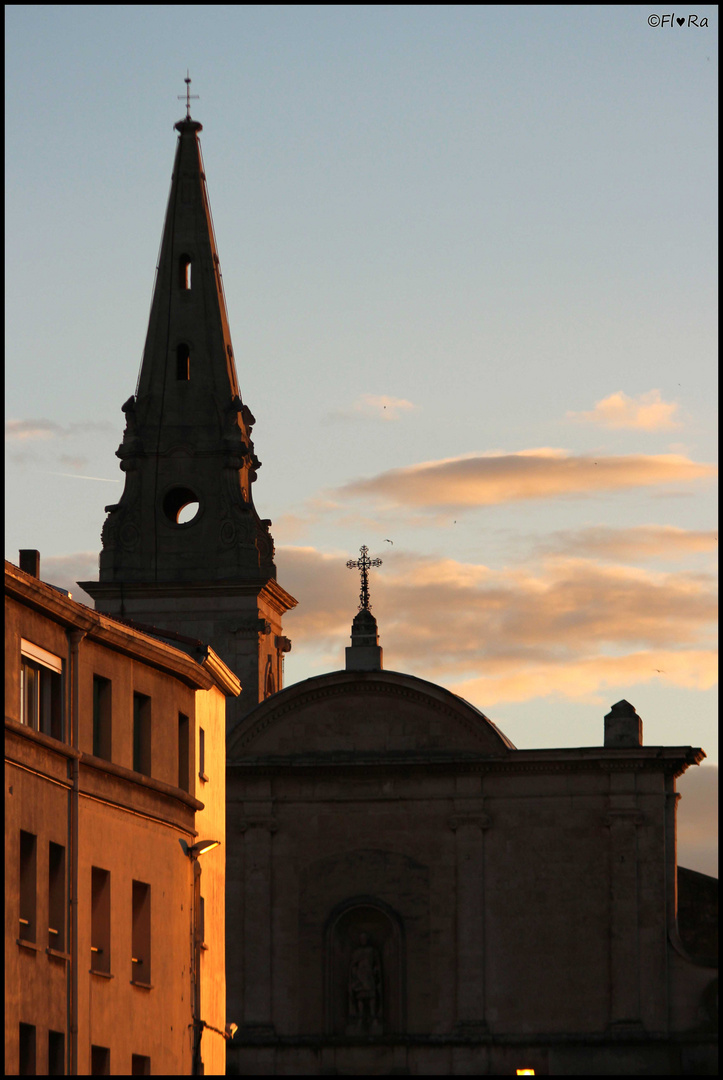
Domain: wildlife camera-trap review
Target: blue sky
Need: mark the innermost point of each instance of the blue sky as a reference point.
(469, 256)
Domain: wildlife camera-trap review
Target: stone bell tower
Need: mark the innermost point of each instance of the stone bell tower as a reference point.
(184, 549)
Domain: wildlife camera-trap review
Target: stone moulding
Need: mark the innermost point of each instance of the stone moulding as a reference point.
(364, 686)
(508, 765)
(532, 1039)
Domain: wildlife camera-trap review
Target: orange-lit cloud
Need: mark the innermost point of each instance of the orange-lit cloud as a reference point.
(569, 627)
(645, 413)
(566, 628)
(544, 473)
(48, 429)
(31, 429)
(586, 679)
(638, 542)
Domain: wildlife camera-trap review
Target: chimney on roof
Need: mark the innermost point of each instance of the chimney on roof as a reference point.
(30, 561)
(623, 726)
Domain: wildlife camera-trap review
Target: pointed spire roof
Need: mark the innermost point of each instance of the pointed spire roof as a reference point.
(184, 549)
(187, 444)
(188, 279)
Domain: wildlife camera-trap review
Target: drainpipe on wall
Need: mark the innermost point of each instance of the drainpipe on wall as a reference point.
(74, 639)
(196, 930)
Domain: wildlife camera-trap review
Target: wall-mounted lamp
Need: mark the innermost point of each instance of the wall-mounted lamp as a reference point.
(229, 1033)
(201, 847)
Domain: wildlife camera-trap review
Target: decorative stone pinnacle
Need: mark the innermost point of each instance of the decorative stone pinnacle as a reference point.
(364, 564)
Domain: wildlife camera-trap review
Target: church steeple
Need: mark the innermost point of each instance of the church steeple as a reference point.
(186, 527)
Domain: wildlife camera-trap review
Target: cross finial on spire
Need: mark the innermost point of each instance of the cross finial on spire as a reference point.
(188, 95)
(364, 564)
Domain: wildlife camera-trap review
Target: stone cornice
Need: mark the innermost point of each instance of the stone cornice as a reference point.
(22, 731)
(670, 760)
(222, 675)
(135, 780)
(100, 780)
(115, 635)
(266, 588)
(254, 1037)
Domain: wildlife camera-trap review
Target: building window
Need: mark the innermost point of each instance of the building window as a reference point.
(184, 272)
(140, 1065)
(56, 898)
(100, 921)
(142, 734)
(141, 944)
(41, 690)
(28, 885)
(102, 718)
(183, 729)
(202, 754)
(99, 1061)
(56, 1053)
(27, 1050)
(183, 363)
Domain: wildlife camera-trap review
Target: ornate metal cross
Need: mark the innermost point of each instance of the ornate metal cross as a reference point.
(188, 95)
(364, 564)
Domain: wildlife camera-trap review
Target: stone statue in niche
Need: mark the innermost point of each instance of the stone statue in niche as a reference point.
(365, 990)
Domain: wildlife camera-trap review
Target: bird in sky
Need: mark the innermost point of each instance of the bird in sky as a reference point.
(389, 542)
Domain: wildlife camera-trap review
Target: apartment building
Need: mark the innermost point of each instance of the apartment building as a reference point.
(114, 841)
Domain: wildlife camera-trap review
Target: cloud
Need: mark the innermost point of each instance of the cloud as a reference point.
(73, 462)
(23, 457)
(543, 473)
(645, 413)
(567, 628)
(32, 429)
(48, 429)
(588, 678)
(374, 407)
(639, 542)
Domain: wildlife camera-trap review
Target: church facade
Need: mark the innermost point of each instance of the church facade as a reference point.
(406, 892)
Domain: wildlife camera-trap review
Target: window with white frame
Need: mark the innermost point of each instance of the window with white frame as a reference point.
(41, 690)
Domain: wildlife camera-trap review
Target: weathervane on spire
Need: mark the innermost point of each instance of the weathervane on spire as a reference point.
(188, 95)
(364, 564)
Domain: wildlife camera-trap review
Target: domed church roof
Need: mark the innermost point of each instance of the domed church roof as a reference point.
(359, 714)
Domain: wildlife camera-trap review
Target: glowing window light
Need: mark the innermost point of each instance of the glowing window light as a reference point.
(524, 1072)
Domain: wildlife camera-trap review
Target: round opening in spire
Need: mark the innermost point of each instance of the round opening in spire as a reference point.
(181, 506)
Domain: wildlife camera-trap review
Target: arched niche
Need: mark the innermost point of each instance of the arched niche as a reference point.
(365, 970)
